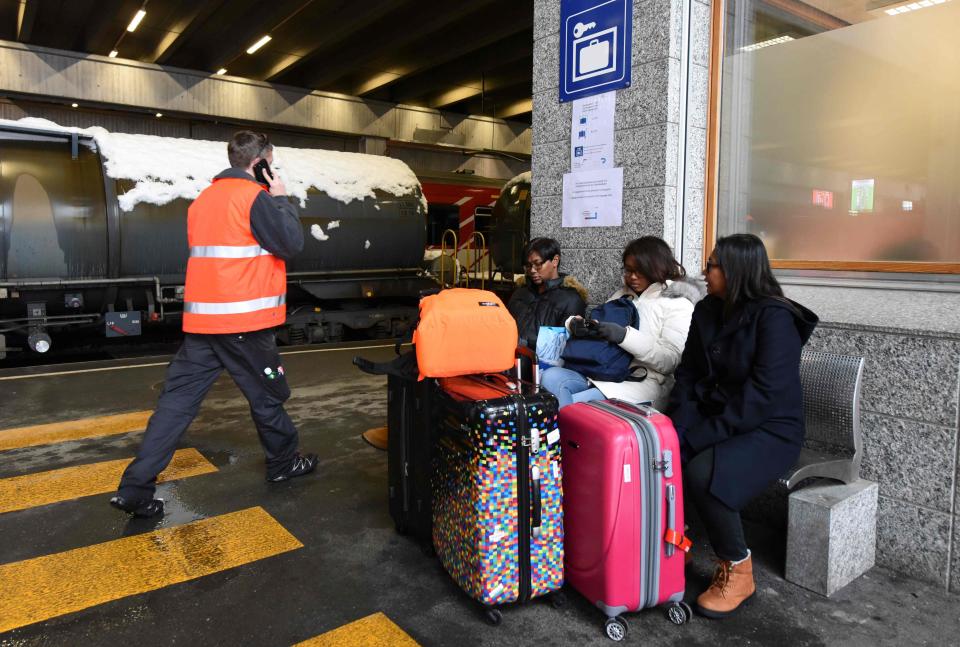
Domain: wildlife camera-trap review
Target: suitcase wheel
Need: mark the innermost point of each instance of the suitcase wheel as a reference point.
(558, 600)
(616, 628)
(494, 616)
(679, 613)
(400, 527)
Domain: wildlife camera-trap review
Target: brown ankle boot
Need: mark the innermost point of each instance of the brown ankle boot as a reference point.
(732, 586)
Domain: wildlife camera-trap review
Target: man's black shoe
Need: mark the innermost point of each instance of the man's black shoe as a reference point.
(301, 465)
(142, 509)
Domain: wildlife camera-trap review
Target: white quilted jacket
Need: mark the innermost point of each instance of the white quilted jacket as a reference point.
(665, 311)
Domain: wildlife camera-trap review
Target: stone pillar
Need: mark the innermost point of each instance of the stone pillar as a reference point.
(660, 137)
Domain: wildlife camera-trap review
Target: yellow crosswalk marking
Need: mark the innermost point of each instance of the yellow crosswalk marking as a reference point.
(43, 488)
(53, 585)
(57, 432)
(373, 631)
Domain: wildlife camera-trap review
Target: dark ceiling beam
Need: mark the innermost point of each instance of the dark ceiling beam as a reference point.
(247, 32)
(462, 70)
(494, 102)
(342, 26)
(483, 85)
(457, 42)
(515, 109)
(361, 52)
(104, 25)
(185, 28)
(26, 18)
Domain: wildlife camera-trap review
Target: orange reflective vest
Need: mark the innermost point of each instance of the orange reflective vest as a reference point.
(233, 285)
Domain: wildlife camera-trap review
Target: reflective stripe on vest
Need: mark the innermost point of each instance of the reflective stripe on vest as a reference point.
(234, 307)
(228, 251)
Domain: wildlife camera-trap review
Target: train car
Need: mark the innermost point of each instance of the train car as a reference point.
(510, 225)
(85, 242)
(470, 205)
(459, 202)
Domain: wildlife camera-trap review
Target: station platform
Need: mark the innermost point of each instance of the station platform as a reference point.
(315, 560)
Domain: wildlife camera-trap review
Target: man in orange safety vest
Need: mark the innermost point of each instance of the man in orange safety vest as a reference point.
(241, 233)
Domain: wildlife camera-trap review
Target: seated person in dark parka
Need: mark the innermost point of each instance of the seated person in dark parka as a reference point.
(737, 404)
(544, 296)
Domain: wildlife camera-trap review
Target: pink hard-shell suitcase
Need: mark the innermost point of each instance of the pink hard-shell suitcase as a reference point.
(623, 510)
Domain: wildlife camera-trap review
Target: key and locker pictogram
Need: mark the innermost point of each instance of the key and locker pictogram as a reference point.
(593, 54)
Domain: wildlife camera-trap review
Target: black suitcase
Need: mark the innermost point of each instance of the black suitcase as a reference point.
(410, 439)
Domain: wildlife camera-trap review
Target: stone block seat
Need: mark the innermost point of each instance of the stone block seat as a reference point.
(831, 528)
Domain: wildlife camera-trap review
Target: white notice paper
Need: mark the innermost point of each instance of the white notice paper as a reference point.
(591, 132)
(593, 198)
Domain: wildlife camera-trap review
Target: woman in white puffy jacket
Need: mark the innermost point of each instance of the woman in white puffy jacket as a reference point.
(664, 299)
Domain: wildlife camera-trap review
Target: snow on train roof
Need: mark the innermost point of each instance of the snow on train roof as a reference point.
(519, 179)
(167, 168)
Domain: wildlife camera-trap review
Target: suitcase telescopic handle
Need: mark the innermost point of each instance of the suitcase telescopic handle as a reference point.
(645, 409)
(524, 352)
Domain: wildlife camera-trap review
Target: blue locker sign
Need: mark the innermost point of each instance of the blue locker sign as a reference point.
(595, 43)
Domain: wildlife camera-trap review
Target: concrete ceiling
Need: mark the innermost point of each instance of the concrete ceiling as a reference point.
(467, 56)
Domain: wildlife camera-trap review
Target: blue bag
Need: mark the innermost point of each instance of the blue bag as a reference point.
(550, 343)
(598, 359)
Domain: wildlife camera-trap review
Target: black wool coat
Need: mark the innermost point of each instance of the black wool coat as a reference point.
(563, 297)
(738, 390)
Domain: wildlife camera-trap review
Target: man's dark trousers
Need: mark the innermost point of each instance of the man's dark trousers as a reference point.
(254, 364)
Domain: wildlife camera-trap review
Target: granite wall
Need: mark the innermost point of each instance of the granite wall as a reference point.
(909, 416)
(648, 140)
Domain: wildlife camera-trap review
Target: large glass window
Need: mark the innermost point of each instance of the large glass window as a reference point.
(840, 131)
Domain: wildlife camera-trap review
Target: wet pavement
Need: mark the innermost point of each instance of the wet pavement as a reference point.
(243, 562)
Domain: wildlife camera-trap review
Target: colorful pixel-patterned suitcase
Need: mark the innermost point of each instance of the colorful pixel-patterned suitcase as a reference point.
(497, 490)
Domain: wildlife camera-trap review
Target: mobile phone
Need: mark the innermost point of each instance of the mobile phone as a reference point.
(259, 169)
(591, 324)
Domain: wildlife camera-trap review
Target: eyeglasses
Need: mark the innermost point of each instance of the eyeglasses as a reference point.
(535, 265)
(628, 272)
(712, 264)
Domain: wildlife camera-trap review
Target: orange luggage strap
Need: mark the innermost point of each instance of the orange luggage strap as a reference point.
(678, 540)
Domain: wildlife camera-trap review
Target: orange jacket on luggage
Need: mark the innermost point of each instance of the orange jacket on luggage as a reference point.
(463, 331)
(233, 285)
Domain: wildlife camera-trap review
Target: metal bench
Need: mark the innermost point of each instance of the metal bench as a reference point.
(831, 406)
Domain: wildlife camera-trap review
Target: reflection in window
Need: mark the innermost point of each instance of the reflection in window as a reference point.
(840, 128)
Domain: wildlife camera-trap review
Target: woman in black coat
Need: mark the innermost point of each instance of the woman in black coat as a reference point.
(737, 403)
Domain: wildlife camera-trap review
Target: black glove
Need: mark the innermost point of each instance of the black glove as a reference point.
(611, 332)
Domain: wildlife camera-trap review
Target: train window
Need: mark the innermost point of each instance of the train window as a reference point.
(441, 217)
(482, 217)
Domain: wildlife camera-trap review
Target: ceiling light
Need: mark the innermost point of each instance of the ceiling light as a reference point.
(159, 114)
(766, 43)
(136, 20)
(113, 54)
(911, 6)
(260, 43)
(74, 105)
(221, 71)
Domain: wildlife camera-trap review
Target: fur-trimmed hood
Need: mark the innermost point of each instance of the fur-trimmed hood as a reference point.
(564, 281)
(693, 290)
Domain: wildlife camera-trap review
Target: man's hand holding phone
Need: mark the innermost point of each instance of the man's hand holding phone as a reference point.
(277, 187)
(264, 174)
